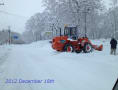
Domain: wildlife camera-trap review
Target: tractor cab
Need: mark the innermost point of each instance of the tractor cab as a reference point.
(71, 32)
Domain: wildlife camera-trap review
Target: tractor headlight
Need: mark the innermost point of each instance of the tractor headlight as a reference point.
(63, 41)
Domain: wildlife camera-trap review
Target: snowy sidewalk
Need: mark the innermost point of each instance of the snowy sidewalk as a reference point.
(65, 71)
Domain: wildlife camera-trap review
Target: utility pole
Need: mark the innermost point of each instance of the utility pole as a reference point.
(9, 34)
(114, 14)
(85, 22)
(85, 18)
(114, 24)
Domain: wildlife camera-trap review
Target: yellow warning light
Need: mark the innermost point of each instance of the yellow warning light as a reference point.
(65, 25)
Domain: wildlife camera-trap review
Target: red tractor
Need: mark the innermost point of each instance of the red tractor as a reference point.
(69, 42)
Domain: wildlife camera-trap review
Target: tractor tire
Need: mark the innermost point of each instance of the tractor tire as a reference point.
(68, 48)
(87, 48)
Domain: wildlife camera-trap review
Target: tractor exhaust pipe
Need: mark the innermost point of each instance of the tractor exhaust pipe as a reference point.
(60, 32)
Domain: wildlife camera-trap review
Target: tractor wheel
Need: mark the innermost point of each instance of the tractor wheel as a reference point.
(68, 48)
(87, 48)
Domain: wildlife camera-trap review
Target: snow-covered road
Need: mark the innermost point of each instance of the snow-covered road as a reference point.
(19, 64)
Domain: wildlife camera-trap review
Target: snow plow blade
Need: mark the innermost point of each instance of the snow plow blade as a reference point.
(98, 48)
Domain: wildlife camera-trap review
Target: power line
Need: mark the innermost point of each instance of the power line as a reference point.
(1, 3)
(12, 14)
(8, 13)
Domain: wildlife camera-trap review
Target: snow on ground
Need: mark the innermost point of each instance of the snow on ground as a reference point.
(4, 52)
(66, 71)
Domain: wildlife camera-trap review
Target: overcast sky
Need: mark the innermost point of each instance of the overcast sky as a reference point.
(23, 7)
(21, 11)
